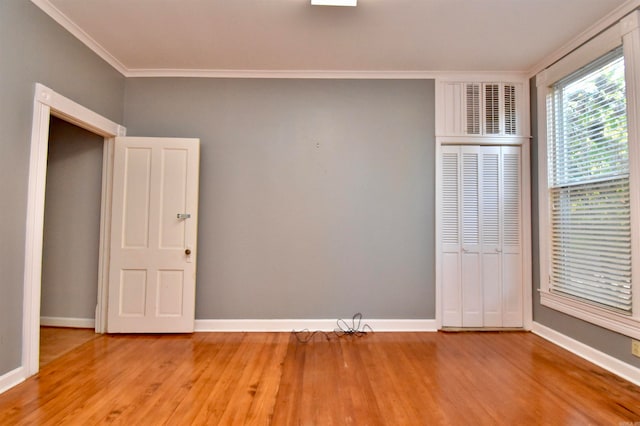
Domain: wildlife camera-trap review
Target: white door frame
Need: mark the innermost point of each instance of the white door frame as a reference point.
(46, 102)
(525, 190)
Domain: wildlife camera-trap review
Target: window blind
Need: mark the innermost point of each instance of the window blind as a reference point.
(589, 185)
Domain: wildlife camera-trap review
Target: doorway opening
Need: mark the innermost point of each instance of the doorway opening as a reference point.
(71, 240)
(48, 103)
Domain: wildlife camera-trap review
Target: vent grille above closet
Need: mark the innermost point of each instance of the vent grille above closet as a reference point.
(510, 109)
(473, 109)
(482, 109)
(492, 109)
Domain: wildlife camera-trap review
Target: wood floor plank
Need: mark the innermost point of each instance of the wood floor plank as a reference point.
(211, 359)
(275, 379)
(56, 341)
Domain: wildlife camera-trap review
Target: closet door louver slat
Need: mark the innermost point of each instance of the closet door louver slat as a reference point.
(470, 201)
(450, 201)
(491, 198)
(511, 203)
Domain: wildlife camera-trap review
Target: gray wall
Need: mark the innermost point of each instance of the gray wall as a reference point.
(316, 196)
(606, 341)
(33, 48)
(71, 222)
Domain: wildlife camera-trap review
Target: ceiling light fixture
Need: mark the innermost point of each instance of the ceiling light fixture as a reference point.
(334, 2)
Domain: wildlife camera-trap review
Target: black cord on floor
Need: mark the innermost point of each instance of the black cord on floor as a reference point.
(342, 330)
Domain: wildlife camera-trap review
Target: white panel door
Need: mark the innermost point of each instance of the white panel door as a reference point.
(153, 235)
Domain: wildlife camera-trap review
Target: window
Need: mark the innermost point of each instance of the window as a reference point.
(587, 179)
(589, 185)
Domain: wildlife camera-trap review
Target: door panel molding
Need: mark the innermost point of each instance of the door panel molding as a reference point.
(45, 104)
(153, 235)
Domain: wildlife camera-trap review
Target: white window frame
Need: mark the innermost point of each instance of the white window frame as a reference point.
(625, 33)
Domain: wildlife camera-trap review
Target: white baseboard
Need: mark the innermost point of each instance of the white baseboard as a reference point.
(11, 379)
(286, 325)
(68, 322)
(609, 363)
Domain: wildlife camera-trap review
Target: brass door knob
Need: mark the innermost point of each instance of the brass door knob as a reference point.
(187, 252)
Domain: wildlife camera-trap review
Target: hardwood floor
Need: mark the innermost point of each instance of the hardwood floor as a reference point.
(56, 341)
(272, 378)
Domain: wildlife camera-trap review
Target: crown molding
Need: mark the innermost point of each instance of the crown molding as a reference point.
(607, 21)
(293, 74)
(47, 7)
(333, 74)
(52, 11)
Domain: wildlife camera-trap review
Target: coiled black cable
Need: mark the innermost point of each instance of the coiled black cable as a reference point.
(343, 329)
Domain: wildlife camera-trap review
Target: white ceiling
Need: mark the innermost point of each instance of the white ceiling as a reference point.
(291, 35)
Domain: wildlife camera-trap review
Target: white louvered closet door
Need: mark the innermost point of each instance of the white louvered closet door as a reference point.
(512, 283)
(450, 236)
(491, 237)
(481, 250)
(471, 238)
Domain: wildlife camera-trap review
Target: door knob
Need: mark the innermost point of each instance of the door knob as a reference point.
(187, 252)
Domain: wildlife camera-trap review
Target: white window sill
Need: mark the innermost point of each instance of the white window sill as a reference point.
(628, 326)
